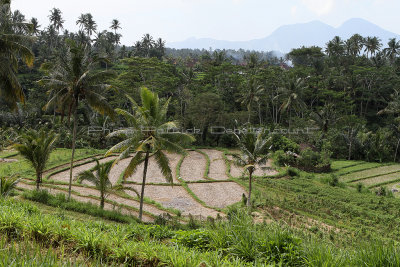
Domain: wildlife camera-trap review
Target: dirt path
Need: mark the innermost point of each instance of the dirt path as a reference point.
(64, 175)
(176, 197)
(154, 174)
(193, 167)
(107, 206)
(218, 195)
(217, 170)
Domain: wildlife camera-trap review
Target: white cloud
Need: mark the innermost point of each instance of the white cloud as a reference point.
(320, 7)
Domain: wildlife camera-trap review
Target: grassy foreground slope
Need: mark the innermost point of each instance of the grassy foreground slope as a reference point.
(235, 242)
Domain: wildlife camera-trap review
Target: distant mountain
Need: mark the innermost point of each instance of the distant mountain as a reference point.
(288, 37)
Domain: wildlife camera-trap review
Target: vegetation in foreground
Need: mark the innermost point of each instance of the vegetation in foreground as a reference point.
(218, 243)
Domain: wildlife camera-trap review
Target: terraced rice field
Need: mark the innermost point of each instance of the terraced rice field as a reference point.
(371, 175)
(197, 190)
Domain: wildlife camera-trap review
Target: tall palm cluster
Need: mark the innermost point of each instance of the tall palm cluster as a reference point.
(370, 46)
(148, 47)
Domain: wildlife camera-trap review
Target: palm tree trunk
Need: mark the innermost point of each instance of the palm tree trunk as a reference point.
(38, 180)
(397, 148)
(73, 152)
(249, 197)
(102, 201)
(146, 162)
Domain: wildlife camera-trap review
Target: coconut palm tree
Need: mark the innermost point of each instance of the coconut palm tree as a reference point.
(7, 184)
(251, 94)
(372, 45)
(115, 25)
(56, 20)
(291, 95)
(392, 50)
(36, 147)
(12, 49)
(100, 178)
(35, 28)
(335, 47)
(254, 152)
(72, 81)
(81, 21)
(147, 137)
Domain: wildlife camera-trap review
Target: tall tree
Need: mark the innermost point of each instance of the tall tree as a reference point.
(12, 48)
(36, 147)
(35, 28)
(372, 45)
(148, 136)
(254, 152)
(393, 49)
(291, 96)
(74, 80)
(56, 20)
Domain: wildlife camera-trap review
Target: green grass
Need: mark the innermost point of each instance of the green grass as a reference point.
(341, 164)
(358, 167)
(30, 237)
(370, 173)
(17, 252)
(379, 180)
(73, 205)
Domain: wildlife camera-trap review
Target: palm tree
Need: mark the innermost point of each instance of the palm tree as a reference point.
(372, 45)
(291, 95)
(251, 94)
(115, 25)
(335, 47)
(7, 184)
(90, 25)
(35, 29)
(56, 20)
(36, 147)
(148, 136)
(355, 45)
(100, 178)
(392, 50)
(81, 21)
(12, 49)
(147, 43)
(73, 80)
(254, 151)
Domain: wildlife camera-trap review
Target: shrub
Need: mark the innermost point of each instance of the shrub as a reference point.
(280, 142)
(334, 180)
(292, 172)
(281, 158)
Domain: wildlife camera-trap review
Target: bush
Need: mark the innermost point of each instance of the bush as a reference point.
(281, 158)
(334, 180)
(309, 160)
(280, 142)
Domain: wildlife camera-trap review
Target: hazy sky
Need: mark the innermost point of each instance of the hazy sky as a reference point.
(176, 20)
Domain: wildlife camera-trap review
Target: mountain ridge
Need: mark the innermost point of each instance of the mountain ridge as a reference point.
(287, 37)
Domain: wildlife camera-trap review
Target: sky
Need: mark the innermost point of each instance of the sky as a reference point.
(233, 20)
